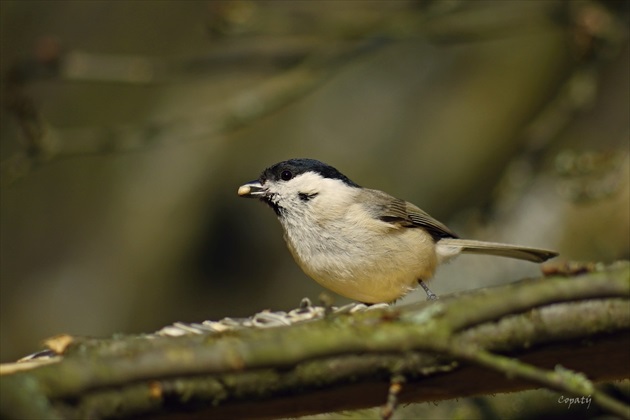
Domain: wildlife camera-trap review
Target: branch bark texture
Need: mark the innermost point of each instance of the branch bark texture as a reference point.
(561, 332)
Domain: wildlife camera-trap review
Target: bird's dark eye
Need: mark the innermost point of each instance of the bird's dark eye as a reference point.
(286, 175)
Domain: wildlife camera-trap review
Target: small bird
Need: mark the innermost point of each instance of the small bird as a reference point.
(362, 243)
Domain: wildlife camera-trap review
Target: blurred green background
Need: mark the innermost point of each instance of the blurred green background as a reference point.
(128, 126)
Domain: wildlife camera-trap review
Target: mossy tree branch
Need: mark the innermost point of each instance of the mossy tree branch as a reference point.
(556, 326)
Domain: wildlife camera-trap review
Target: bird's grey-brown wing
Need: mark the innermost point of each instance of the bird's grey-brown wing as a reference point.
(404, 214)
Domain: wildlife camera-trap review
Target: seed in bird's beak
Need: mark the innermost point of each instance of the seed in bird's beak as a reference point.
(244, 190)
(251, 190)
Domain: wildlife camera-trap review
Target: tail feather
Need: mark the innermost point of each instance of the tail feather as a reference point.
(470, 246)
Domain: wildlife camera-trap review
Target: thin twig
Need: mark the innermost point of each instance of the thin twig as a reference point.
(560, 379)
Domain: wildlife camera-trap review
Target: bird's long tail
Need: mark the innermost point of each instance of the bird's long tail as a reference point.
(470, 246)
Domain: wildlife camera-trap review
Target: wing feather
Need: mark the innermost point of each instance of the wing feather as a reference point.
(404, 214)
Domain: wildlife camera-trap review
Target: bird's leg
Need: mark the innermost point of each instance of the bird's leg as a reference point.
(430, 294)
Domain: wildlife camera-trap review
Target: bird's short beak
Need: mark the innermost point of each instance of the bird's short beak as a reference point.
(251, 190)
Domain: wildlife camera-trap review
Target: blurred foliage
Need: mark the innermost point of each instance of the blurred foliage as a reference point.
(126, 128)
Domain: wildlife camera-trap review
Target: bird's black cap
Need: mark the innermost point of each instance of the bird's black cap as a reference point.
(293, 167)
